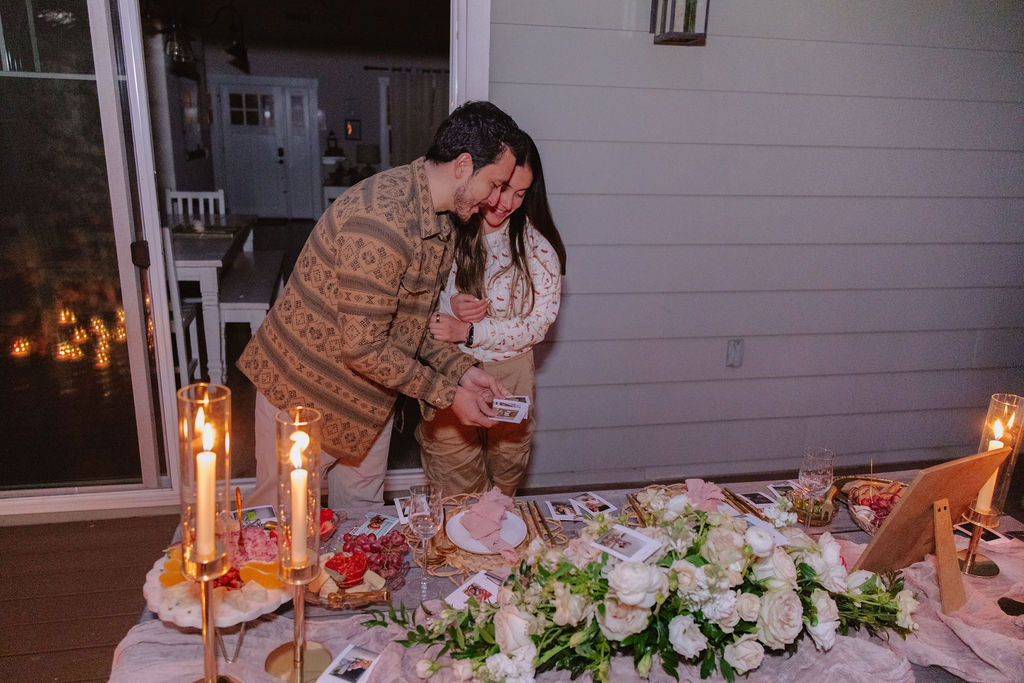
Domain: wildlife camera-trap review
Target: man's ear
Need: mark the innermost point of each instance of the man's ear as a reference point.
(463, 166)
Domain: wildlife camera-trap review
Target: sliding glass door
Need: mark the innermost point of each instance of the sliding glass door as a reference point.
(77, 362)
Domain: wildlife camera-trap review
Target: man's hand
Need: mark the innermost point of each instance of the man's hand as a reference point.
(480, 382)
(449, 329)
(472, 409)
(468, 308)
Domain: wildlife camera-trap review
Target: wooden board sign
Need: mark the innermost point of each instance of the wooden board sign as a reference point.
(908, 533)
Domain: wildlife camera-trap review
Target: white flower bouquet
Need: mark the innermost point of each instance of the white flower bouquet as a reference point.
(716, 593)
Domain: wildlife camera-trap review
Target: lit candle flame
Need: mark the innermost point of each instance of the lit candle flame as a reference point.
(200, 420)
(208, 436)
(301, 440)
(997, 429)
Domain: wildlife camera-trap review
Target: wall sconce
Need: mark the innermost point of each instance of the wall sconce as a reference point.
(680, 22)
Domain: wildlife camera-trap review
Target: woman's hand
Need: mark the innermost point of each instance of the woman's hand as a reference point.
(446, 328)
(468, 308)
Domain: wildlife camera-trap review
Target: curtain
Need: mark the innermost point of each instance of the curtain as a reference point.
(417, 103)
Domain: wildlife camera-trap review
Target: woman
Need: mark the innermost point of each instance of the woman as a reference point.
(502, 296)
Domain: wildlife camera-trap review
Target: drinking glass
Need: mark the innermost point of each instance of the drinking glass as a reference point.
(424, 511)
(816, 473)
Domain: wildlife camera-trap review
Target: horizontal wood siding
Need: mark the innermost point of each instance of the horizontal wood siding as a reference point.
(839, 184)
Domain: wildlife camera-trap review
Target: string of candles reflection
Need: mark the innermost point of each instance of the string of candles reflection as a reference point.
(73, 339)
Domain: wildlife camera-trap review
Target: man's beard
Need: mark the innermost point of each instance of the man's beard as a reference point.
(461, 207)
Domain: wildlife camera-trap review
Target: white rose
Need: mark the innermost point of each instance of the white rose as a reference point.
(760, 540)
(780, 619)
(797, 537)
(907, 604)
(569, 608)
(744, 655)
(835, 578)
(778, 569)
(425, 668)
(723, 546)
(511, 629)
(676, 507)
(686, 574)
(685, 636)
(729, 621)
(824, 633)
(636, 583)
(748, 606)
(619, 620)
(462, 669)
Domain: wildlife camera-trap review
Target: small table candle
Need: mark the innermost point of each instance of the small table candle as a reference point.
(985, 495)
(206, 497)
(300, 477)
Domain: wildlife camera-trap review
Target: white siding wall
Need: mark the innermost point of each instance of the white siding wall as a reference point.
(840, 183)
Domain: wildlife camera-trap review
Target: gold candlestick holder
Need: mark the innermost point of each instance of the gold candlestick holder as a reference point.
(1001, 431)
(204, 428)
(298, 537)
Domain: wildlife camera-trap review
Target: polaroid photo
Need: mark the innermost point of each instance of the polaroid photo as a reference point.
(562, 510)
(509, 411)
(257, 516)
(480, 587)
(353, 665)
(780, 490)
(377, 523)
(987, 535)
(757, 499)
(626, 544)
(400, 505)
(591, 504)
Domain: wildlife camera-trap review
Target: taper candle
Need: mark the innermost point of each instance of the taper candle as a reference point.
(299, 481)
(984, 503)
(206, 497)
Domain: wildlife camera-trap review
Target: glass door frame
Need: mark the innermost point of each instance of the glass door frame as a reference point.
(469, 79)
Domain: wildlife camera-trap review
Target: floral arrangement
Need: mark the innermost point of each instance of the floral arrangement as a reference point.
(716, 593)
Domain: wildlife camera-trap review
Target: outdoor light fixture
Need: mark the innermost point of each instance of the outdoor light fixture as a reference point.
(179, 43)
(680, 22)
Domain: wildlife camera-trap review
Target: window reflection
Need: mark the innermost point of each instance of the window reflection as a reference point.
(68, 415)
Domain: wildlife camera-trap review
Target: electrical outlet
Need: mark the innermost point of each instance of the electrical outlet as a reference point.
(734, 353)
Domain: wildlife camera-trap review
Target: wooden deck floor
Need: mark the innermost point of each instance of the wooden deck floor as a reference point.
(69, 592)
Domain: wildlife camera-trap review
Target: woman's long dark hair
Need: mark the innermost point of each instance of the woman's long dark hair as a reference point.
(471, 256)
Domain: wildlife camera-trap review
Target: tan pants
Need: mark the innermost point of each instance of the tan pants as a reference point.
(347, 486)
(464, 459)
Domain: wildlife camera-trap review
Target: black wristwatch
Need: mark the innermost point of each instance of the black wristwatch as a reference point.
(469, 337)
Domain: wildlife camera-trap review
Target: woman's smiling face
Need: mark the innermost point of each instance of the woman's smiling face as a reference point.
(511, 197)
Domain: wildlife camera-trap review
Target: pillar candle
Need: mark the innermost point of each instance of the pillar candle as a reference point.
(299, 478)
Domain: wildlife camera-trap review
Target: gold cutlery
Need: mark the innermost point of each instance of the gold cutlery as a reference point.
(527, 519)
(742, 505)
(635, 504)
(544, 522)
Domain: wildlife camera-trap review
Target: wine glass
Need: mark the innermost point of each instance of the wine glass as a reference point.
(424, 512)
(816, 473)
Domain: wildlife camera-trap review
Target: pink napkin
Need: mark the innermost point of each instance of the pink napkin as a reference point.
(483, 522)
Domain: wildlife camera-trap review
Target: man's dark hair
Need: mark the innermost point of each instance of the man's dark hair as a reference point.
(481, 129)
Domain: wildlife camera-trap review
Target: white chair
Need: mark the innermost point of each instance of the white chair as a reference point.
(248, 289)
(191, 205)
(184, 320)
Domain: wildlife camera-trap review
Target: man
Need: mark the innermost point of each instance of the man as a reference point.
(350, 330)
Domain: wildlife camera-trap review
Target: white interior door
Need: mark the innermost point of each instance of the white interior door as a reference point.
(267, 136)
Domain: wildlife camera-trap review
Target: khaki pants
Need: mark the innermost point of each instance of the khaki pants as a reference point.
(347, 486)
(463, 459)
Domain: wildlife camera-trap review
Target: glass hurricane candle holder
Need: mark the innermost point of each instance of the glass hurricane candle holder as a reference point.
(1001, 429)
(204, 435)
(298, 536)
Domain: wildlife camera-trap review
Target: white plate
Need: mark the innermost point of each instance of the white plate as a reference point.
(513, 531)
(180, 604)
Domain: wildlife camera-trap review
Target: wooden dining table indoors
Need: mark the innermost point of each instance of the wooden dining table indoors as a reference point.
(200, 256)
(155, 650)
